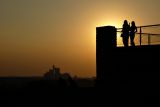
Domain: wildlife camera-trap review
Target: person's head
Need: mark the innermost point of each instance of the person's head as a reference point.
(125, 22)
(133, 23)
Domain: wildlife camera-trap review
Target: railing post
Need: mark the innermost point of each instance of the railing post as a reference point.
(149, 39)
(140, 36)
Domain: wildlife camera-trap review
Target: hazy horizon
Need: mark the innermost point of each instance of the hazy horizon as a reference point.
(35, 34)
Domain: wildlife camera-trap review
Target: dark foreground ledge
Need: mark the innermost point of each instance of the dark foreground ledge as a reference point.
(132, 69)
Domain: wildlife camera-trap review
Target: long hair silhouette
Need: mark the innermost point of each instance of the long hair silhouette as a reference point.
(125, 33)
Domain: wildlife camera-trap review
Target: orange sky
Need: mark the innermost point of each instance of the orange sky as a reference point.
(35, 34)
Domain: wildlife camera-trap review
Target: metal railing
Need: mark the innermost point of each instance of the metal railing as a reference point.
(140, 33)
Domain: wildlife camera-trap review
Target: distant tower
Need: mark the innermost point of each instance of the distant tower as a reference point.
(106, 42)
(53, 67)
(53, 73)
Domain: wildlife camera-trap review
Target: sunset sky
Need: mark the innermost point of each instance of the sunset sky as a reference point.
(35, 34)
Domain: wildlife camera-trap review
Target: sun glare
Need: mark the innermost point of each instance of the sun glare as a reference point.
(109, 23)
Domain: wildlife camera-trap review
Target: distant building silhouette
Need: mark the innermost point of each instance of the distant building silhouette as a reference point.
(63, 79)
(53, 73)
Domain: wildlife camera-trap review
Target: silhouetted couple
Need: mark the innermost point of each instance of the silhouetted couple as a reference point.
(128, 31)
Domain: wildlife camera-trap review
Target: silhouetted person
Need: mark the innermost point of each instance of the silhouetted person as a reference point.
(125, 33)
(133, 30)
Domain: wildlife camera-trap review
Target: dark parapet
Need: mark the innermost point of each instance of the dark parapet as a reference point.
(106, 42)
